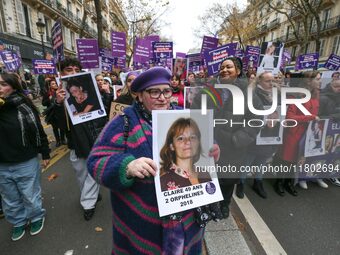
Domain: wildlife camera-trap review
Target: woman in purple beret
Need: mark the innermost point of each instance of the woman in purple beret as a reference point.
(122, 160)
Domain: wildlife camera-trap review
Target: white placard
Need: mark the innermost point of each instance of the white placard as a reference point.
(175, 191)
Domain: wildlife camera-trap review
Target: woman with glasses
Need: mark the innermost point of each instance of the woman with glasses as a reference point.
(182, 149)
(126, 95)
(122, 160)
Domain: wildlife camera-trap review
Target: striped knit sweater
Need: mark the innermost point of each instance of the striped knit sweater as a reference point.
(137, 227)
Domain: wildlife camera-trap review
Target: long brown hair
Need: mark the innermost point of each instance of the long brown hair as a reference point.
(167, 155)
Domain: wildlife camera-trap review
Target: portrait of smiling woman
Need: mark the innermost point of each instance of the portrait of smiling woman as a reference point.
(182, 149)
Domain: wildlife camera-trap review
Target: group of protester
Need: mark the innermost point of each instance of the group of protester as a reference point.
(119, 156)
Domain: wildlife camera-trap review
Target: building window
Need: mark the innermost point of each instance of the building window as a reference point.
(27, 14)
(322, 47)
(326, 15)
(336, 45)
(21, 18)
(294, 51)
(67, 38)
(72, 41)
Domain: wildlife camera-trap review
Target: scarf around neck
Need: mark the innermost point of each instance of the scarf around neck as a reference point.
(27, 120)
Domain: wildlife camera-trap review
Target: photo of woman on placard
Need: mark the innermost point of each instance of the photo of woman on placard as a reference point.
(182, 149)
(80, 101)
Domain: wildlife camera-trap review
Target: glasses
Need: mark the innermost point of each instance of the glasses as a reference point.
(156, 93)
(129, 80)
(184, 139)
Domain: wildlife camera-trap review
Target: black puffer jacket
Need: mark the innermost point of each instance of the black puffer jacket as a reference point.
(329, 104)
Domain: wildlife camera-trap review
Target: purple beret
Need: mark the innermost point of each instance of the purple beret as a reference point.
(152, 77)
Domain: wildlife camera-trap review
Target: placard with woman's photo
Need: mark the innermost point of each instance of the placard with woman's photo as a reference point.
(186, 178)
(83, 101)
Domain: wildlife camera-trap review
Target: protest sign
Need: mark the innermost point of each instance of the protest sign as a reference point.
(41, 66)
(270, 57)
(333, 62)
(307, 61)
(179, 188)
(57, 41)
(208, 43)
(88, 53)
(162, 50)
(83, 101)
(116, 109)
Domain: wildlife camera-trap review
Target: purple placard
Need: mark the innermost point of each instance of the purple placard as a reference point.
(162, 50)
(118, 40)
(17, 57)
(181, 55)
(307, 61)
(120, 62)
(165, 62)
(195, 62)
(107, 63)
(214, 58)
(333, 62)
(208, 43)
(239, 53)
(103, 52)
(9, 61)
(57, 41)
(251, 58)
(88, 53)
(141, 52)
(286, 58)
(151, 39)
(41, 66)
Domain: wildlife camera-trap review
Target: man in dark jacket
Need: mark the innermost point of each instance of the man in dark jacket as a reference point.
(330, 107)
(81, 138)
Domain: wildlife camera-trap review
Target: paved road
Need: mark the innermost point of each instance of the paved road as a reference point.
(306, 224)
(65, 228)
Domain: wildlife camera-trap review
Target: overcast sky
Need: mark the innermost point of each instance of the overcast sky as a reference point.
(184, 18)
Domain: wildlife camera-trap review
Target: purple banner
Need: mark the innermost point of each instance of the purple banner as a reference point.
(208, 43)
(141, 52)
(9, 61)
(195, 62)
(88, 53)
(333, 62)
(214, 58)
(41, 66)
(107, 63)
(162, 50)
(118, 40)
(57, 41)
(307, 61)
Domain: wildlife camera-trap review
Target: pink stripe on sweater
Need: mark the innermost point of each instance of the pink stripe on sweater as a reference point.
(137, 236)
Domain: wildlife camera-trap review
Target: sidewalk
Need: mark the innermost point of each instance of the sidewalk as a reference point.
(225, 237)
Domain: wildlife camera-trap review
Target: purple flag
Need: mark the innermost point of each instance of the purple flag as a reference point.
(57, 41)
(215, 57)
(307, 61)
(162, 50)
(88, 53)
(118, 40)
(41, 66)
(333, 62)
(208, 43)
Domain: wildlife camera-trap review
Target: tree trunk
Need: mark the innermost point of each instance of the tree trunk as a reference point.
(98, 6)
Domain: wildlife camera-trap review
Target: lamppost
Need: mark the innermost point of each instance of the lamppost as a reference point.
(41, 30)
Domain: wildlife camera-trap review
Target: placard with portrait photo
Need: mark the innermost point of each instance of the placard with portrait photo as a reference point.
(270, 57)
(83, 101)
(316, 138)
(187, 175)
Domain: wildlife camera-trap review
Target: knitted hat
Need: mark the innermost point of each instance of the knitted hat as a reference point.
(152, 77)
(108, 80)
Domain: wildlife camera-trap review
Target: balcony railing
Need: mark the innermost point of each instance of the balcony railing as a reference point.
(274, 23)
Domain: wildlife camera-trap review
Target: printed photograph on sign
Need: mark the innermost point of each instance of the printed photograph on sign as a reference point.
(180, 67)
(189, 94)
(270, 57)
(83, 101)
(272, 131)
(181, 142)
(316, 138)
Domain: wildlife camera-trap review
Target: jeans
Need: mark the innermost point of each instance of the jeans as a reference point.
(21, 191)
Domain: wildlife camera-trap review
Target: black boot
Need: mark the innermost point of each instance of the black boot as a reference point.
(289, 186)
(258, 188)
(57, 144)
(279, 187)
(240, 190)
(224, 209)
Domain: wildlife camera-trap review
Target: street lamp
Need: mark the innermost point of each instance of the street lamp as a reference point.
(41, 30)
